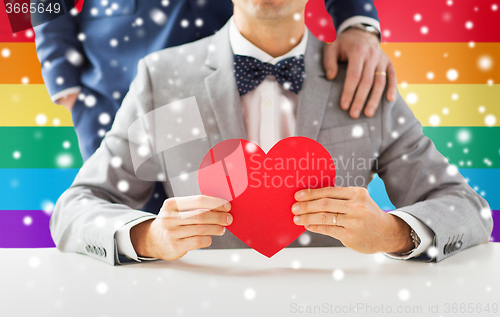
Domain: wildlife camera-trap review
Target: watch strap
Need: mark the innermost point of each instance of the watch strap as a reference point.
(367, 28)
(416, 242)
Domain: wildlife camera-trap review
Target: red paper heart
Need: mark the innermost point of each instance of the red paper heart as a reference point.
(261, 187)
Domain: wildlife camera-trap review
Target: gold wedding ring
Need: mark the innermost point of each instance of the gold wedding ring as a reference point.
(381, 73)
(335, 215)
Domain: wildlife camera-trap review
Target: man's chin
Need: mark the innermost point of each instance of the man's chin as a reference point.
(272, 9)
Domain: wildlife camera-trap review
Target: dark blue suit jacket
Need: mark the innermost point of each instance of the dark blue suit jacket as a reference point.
(111, 36)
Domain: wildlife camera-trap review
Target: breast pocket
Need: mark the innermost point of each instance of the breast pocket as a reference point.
(350, 133)
(98, 9)
(352, 149)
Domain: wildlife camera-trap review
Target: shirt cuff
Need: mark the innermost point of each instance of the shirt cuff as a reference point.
(65, 92)
(357, 19)
(124, 244)
(424, 233)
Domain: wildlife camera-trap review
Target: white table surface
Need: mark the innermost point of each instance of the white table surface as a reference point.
(47, 282)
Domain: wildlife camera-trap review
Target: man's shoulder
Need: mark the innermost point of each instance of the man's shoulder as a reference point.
(194, 53)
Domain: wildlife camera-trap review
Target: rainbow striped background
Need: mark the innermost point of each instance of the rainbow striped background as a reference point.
(445, 53)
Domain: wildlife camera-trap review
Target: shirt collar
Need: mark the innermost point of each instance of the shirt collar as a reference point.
(241, 46)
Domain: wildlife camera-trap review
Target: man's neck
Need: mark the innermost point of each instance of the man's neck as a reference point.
(275, 37)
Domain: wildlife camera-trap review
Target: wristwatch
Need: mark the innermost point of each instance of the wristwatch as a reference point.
(367, 28)
(416, 241)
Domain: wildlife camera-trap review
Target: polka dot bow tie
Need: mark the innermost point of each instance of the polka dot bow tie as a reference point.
(250, 72)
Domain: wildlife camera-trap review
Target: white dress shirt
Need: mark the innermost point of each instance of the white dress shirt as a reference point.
(269, 116)
(269, 109)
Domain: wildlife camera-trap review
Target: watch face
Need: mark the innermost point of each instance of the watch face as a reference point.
(371, 29)
(368, 28)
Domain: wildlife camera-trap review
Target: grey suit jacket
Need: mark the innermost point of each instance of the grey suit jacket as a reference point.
(417, 177)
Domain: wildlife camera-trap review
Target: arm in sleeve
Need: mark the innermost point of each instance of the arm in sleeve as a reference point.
(346, 13)
(60, 54)
(124, 243)
(421, 183)
(106, 193)
(424, 233)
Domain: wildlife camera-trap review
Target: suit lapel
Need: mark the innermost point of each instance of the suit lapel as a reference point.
(221, 86)
(225, 99)
(315, 92)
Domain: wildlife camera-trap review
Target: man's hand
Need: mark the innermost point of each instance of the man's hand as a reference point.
(68, 101)
(183, 224)
(361, 224)
(365, 57)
